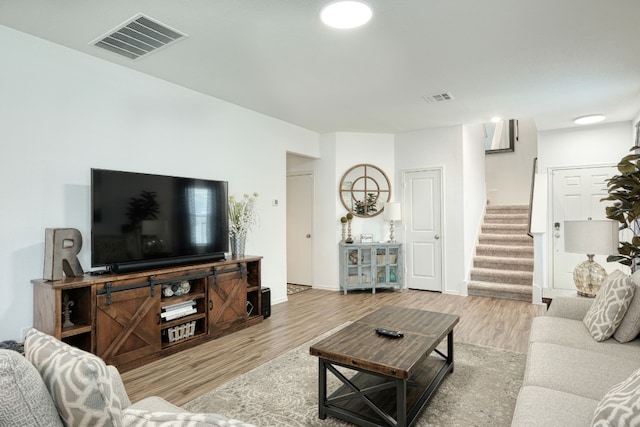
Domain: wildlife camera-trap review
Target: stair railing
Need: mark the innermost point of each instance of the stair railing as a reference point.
(534, 172)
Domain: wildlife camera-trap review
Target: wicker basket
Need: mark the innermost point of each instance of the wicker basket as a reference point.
(392, 259)
(181, 332)
(353, 280)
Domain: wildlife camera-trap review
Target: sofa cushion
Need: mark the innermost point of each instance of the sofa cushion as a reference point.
(630, 326)
(573, 333)
(139, 418)
(155, 404)
(569, 307)
(572, 370)
(25, 399)
(610, 306)
(79, 382)
(543, 407)
(621, 405)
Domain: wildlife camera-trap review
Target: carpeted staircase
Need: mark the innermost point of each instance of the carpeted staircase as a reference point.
(503, 265)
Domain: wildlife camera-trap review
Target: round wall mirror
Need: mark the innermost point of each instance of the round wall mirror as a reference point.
(364, 189)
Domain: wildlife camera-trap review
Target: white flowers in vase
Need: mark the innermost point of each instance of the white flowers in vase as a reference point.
(241, 214)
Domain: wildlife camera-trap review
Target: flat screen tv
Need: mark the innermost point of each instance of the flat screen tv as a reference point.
(142, 221)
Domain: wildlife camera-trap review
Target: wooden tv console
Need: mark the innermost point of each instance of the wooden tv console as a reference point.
(127, 319)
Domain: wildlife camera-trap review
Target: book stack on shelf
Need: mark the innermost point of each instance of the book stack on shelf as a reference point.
(181, 309)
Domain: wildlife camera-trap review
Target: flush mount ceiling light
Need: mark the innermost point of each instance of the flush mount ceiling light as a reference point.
(496, 119)
(346, 14)
(589, 120)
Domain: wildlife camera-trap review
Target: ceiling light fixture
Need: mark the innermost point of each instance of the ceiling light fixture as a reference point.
(496, 119)
(346, 14)
(589, 120)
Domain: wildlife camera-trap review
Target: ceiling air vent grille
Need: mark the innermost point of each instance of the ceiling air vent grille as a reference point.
(438, 97)
(138, 36)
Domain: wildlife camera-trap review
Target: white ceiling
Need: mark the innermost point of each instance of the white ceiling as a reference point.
(550, 60)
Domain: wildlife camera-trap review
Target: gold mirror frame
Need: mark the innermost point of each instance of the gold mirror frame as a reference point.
(364, 189)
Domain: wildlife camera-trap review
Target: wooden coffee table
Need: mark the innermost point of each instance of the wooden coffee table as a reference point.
(389, 381)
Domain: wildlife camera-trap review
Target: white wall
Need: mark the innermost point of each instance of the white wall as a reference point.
(509, 174)
(441, 147)
(375, 149)
(573, 147)
(325, 248)
(339, 152)
(474, 190)
(64, 112)
(584, 146)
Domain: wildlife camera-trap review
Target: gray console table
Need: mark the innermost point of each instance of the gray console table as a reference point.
(370, 266)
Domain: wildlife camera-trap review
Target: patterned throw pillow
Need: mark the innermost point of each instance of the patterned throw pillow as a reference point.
(79, 382)
(630, 326)
(610, 306)
(621, 405)
(25, 399)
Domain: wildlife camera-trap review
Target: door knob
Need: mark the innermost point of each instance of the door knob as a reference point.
(308, 236)
(437, 237)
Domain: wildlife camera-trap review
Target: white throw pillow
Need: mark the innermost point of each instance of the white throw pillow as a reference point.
(621, 405)
(630, 326)
(78, 382)
(25, 399)
(610, 306)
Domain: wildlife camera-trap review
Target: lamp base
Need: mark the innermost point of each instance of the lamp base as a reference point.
(392, 237)
(589, 277)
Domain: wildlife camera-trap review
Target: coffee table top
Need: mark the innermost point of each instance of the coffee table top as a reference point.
(359, 345)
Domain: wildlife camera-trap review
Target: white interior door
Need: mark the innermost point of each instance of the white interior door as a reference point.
(576, 195)
(299, 226)
(422, 201)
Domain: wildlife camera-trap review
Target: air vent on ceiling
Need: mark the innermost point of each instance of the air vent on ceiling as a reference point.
(138, 36)
(438, 97)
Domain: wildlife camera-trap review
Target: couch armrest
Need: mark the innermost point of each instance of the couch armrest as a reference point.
(569, 307)
(118, 386)
(135, 417)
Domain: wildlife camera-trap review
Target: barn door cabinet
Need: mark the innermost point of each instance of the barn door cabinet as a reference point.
(134, 318)
(234, 299)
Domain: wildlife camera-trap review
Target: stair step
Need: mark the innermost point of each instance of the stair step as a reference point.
(500, 290)
(503, 263)
(505, 229)
(505, 239)
(508, 209)
(502, 276)
(505, 251)
(506, 218)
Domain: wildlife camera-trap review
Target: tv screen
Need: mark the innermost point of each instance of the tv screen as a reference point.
(142, 221)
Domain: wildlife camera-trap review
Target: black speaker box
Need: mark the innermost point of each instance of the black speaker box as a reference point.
(266, 302)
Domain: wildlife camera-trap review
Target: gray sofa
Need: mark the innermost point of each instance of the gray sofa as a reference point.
(54, 384)
(568, 372)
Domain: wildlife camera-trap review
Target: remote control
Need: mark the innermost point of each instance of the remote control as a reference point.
(389, 333)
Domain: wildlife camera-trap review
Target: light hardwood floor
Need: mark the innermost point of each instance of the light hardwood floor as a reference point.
(184, 376)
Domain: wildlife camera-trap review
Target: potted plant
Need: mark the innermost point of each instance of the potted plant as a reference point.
(624, 192)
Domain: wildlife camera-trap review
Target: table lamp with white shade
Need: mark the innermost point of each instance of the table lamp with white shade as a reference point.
(590, 237)
(392, 213)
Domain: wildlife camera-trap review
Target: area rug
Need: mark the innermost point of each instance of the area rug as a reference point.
(283, 392)
(294, 289)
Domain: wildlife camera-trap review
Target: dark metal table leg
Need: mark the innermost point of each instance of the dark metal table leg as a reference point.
(322, 389)
(450, 349)
(401, 403)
